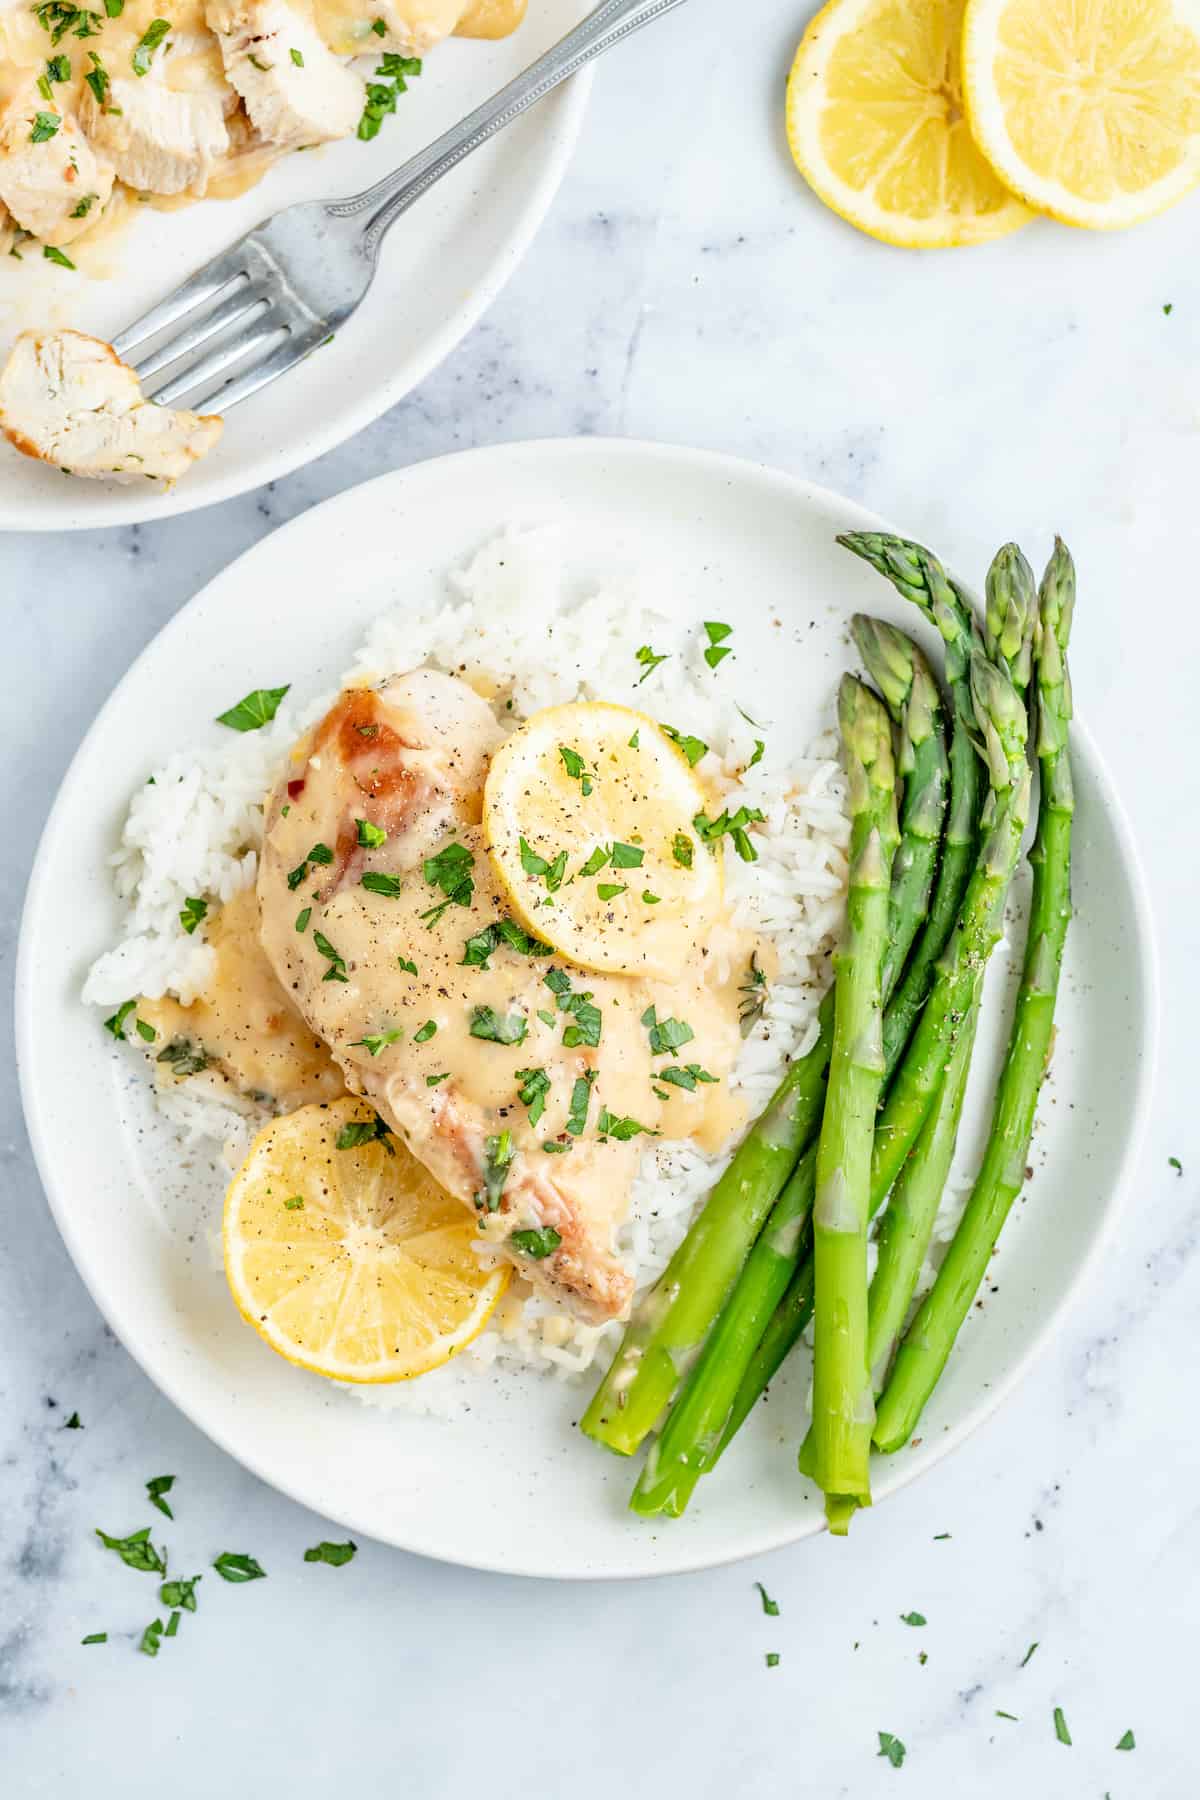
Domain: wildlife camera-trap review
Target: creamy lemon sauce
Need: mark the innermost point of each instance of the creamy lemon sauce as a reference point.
(244, 1022)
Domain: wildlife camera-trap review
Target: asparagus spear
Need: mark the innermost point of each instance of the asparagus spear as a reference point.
(689, 1441)
(918, 575)
(910, 693)
(671, 1322)
(957, 979)
(842, 1401)
(927, 1344)
(1010, 614)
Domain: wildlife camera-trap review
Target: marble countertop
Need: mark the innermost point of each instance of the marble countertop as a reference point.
(686, 287)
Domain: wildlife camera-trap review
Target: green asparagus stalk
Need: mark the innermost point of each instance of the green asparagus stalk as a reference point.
(928, 1342)
(908, 1222)
(957, 983)
(918, 576)
(1010, 614)
(690, 1439)
(910, 693)
(670, 1323)
(843, 1413)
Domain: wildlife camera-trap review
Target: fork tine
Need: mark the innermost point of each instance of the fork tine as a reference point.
(181, 343)
(202, 374)
(204, 285)
(293, 350)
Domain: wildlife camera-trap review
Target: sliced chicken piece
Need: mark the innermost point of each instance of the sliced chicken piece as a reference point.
(69, 400)
(409, 26)
(52, 180)
(293, 87)
(160, 140)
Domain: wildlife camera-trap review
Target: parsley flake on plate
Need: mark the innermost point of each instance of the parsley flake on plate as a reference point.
(536, 1243)
(693, 748)
(498, 1154)
(135, 1551)
(648, 662)
(156, 1487)
(336, 1555)
(891, 1747)
(236, 1566)
(255, 709)
(717, 649)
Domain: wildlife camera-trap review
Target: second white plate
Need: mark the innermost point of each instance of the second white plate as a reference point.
(514, 1486)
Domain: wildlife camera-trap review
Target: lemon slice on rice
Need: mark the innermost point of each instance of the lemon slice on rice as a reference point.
(875, 125)
(590, 812)
(1090, 113)
(346, 1256)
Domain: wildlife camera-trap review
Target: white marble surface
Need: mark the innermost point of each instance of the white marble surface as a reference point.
(685, 287)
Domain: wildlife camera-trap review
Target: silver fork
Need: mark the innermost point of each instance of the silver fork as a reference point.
(289, 284)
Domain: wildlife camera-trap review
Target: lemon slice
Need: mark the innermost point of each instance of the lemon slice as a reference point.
(875, 125)
(589, 812)
(352, 1262)
(1090, 113)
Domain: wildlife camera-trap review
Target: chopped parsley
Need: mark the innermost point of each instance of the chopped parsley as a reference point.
(556, 1146)
(184, 1057)
(97, 79)
(257, 708)
(114, 8)
(337, 965)
(320, 854)
(135, 1551)
(537, 866)
(498, 1156)
(297, 57)
(717, 649)
(1003, 1715)
(58, 68)
(370, 836)
(59, 17)
(596, 861)
(1126, 1741)
(302, 918)
(336, 1555)
(536, 1243)
(648, 662)
(535, 1085)
(45, 126)
(84, 207)
(376, 882)
(691, 747)
(148, 43)
(488, 1024)
(1028, 1654)
(611, 1125)
(633, 742)
(769, 1606)
(587, 1021)
(156, 1487)
(684, 1077)
(608, 890)
(427, 1030)
(649, 899)
(234, 1565)
(626, 856)
(74, 1423)
(436, 1080)
(406, 963)
(666, 1035)
(576, 769)
(172, 1624)
(479, 947)
(892, 1748)
(295, 1204)
(1173, 1162)
(54, 255)
(547, 1018)
(95, 1637)
(193, 911)
(752, 996)
(759, 752)
(772, 1659)
(262, 67)
(731, 825)
(362, 1131)
(450, 872)
(682, 849)
(375, 1041)
(1061, 1731)
(383, 94)
(913, 1618)
(116, 1025)
(378, 27)
(151, 1638)
(581, 1095)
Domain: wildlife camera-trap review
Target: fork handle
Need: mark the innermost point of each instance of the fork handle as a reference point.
(611, 21)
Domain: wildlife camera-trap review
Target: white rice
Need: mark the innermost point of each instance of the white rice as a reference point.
(516, 615)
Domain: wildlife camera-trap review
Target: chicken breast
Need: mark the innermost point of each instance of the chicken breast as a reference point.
(52, 180)
(524, 1085)
(69, 400)
(293, 87)
(159, 139)
(409, 26)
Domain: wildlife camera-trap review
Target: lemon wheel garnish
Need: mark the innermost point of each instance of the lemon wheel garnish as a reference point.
(1090, 113)
(875, 125)
(589, 811)
(352, 1262)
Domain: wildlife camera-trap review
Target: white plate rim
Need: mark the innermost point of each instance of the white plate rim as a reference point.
(897, 1475)
(128, 508)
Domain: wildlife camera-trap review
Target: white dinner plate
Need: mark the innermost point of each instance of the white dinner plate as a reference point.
(441, 267)
(513, 1485)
